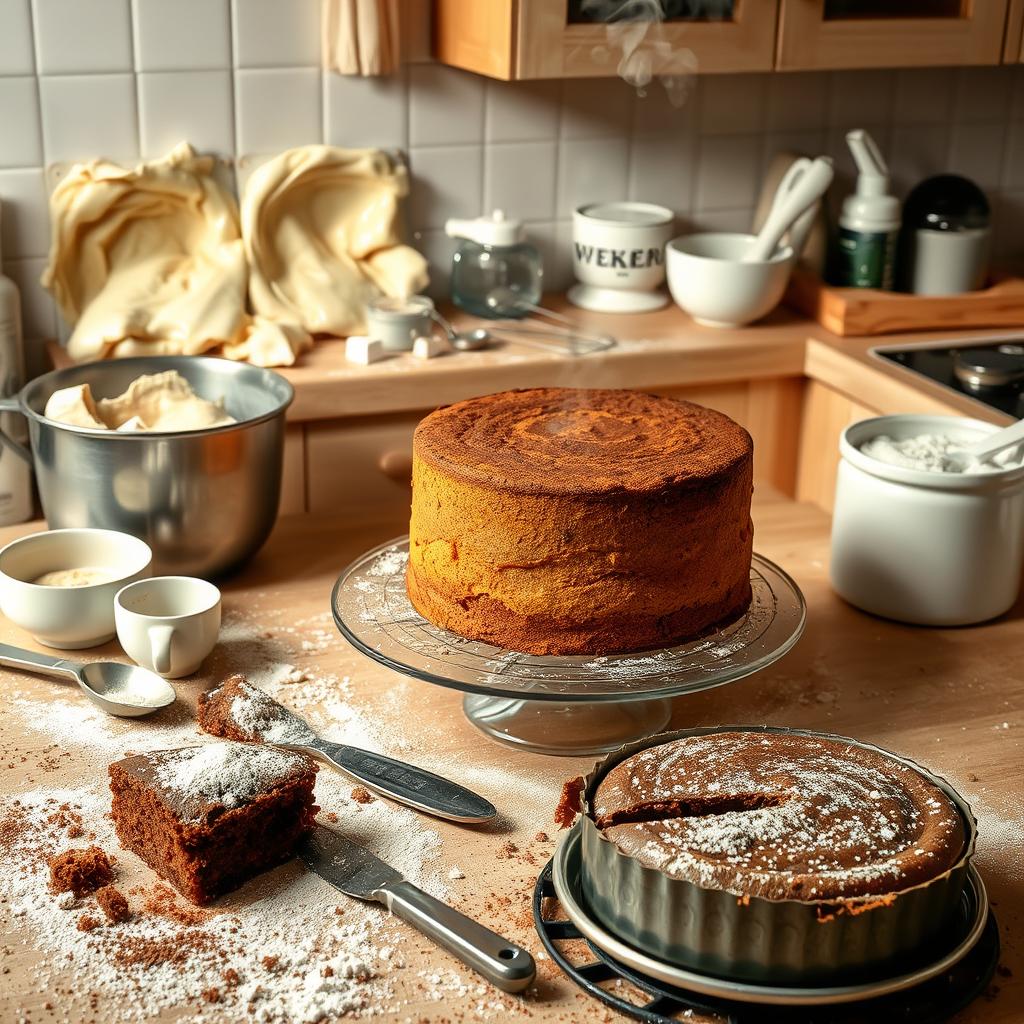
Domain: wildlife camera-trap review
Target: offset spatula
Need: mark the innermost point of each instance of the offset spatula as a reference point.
(415, 787)
(357, 872)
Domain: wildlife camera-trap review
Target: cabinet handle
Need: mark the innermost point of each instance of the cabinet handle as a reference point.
(396, 466)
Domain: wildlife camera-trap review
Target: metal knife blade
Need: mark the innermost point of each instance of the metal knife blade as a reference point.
(346, 865)
(357, 872)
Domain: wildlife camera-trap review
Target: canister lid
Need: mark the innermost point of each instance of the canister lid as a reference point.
(946, 202)
(494, 229)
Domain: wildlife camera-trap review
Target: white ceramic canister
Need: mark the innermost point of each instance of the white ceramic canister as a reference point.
(935, 549)
(619, 256)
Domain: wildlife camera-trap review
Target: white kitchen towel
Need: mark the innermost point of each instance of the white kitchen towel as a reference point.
(362, 37)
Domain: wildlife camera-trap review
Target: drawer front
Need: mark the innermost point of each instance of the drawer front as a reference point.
(361, 468)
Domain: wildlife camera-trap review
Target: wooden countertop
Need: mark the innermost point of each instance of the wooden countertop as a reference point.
(950, 699)
(783, 344)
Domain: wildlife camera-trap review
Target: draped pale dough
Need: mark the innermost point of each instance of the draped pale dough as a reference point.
(157, 402)
(151, 254)
(320, 231)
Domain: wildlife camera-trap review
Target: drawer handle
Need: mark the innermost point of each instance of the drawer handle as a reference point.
(396, 466)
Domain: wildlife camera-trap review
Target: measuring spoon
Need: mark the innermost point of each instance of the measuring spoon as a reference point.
(124, 690)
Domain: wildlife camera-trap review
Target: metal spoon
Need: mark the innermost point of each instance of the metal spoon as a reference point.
(124, 690)
(462, 341)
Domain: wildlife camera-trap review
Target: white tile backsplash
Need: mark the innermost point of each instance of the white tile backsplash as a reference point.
(120, 78)
(521, 111)
(595, 108)
(277, 108)
(446, 107)
(38, 313)
(24, 218)
(187, 35)
(21, 143)
(447, 181)
(728, 172)
(520, 178)
(191, 106)
(276, 33)
(17, 56)
(88, 116)
(75, 37)
(591, 171)
(366, 111)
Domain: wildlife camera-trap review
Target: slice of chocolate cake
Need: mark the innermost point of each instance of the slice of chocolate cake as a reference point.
(209, 818)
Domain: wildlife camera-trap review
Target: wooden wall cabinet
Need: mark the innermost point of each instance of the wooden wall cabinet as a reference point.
(521, 39)
(830, 34)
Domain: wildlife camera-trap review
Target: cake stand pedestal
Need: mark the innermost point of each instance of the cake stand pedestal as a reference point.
(569, 705)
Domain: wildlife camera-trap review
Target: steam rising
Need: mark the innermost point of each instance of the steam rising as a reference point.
(635, 33)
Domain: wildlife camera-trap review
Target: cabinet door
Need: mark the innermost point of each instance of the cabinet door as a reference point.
(516, 39)
(1013, 45)
(889, 33)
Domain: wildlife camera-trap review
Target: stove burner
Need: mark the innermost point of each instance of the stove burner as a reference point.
(980, 369)
(991, 373)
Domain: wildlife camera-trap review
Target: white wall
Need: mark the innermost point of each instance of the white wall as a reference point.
(129, 78)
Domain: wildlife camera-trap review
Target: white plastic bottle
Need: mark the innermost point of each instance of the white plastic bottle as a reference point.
(870, 221)
(15, 473)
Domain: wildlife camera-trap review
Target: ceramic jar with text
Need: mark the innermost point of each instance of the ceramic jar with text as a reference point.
(930, 548)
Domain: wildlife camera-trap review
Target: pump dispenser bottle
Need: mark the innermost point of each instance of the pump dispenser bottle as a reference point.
(870, 221)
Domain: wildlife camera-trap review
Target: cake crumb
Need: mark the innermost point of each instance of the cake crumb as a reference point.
(270, 962)
(212, 994)
(113, 904)
(542, 837)
(80, 871)
(231, 977)
(362, 795)
(87, 922)
(570, 803)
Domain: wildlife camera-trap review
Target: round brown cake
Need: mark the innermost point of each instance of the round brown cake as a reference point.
(569, 521)
(780, 816)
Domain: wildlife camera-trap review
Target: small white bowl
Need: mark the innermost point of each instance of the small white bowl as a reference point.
(708, 279)
(69, 618)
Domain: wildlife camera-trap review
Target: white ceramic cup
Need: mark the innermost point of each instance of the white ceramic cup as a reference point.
(936, 549)
(709, 280)
(168, 624)
(399, 322)
(69, 618)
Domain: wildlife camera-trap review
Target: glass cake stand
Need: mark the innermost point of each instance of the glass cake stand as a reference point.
(559, 704)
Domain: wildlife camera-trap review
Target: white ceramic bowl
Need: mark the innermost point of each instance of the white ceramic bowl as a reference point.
(69, 618)
(708, 280)
(936, 549)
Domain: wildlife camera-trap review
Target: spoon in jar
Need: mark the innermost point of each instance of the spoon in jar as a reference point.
(127, 691)
(967, 456)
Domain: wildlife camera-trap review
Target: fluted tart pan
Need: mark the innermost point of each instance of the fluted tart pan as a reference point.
(754, 939)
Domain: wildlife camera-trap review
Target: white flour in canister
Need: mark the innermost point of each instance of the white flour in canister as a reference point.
(934, 453)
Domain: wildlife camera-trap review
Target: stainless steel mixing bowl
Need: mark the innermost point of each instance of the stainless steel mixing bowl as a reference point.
(204, 500)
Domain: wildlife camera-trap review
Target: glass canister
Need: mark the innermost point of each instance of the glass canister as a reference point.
(930, 548)
(496, 273)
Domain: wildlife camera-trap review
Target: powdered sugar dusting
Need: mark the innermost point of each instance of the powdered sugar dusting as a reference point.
(231, 774)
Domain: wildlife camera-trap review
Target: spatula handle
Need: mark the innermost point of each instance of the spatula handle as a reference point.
(506, 965)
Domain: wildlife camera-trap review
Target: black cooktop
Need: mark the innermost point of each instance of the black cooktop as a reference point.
(990, 372)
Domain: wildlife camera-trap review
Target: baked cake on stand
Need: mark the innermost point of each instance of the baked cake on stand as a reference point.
(560, 704)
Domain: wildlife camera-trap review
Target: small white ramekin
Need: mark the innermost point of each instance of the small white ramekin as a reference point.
(69, 618)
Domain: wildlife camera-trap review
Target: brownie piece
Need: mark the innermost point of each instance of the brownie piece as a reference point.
(80, 871)
(237, 710)
(209, 818)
